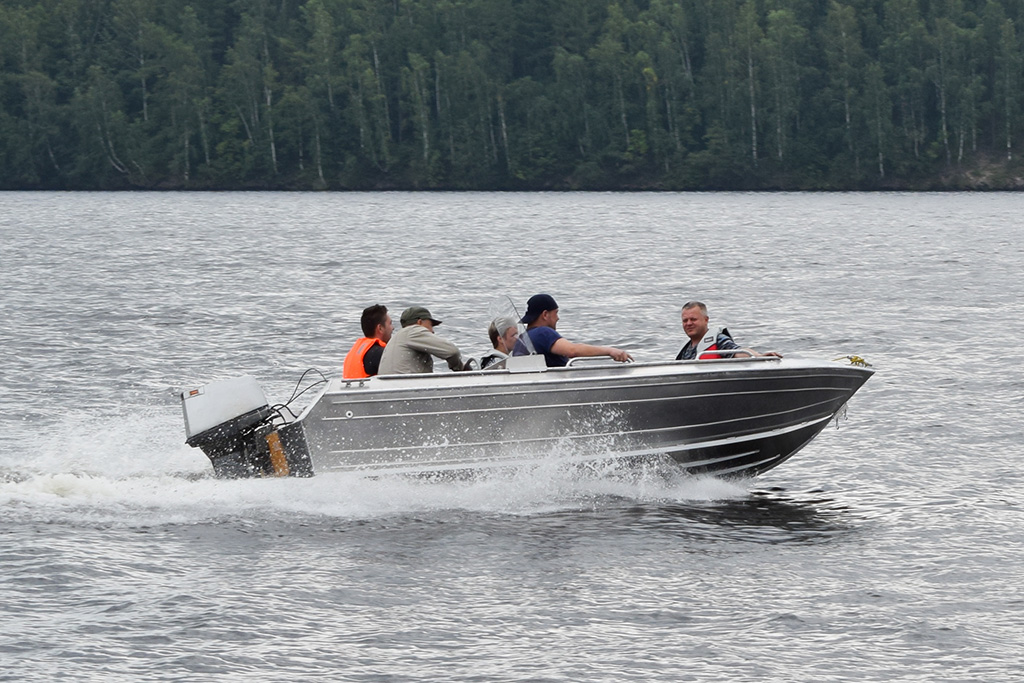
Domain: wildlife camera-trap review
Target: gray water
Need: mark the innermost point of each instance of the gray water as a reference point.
(890, 549)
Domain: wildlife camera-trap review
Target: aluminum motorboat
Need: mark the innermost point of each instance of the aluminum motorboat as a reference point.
(726, 416)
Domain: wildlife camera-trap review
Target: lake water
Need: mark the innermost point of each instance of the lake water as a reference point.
(891, 548)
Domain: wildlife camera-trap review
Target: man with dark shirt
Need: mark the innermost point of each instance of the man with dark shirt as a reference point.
(540, 337)
(363, 359)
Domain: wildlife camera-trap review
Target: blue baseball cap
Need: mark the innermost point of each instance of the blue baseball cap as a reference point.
(537, 304)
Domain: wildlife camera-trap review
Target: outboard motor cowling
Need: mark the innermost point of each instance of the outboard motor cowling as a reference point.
(232, 423)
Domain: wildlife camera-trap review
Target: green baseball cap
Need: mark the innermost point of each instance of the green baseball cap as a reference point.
(414, 313)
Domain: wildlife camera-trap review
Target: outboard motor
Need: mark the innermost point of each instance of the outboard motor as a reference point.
(232, 423)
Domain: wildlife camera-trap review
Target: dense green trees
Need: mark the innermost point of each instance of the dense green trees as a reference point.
(514, 94)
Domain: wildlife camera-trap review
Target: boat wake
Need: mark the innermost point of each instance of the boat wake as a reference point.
(135, 473)
(134, 499)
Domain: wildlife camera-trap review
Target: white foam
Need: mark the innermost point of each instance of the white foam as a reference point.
(146, 442)
(136, 470)
(167, 498)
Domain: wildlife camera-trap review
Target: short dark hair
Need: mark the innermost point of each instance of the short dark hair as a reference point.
(492, 332)
(696, 304)
(373, 316)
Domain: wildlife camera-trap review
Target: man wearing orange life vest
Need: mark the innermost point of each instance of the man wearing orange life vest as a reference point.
(703, 342)
(363, 359)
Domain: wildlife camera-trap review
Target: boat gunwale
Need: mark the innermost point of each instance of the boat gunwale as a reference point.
(574, 404)
(540, 381)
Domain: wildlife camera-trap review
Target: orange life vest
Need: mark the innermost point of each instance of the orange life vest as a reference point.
(353, 368)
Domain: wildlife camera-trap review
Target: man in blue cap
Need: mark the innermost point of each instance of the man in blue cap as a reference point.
(540, 337)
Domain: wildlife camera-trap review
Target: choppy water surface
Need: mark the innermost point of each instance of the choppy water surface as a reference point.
(890, 549)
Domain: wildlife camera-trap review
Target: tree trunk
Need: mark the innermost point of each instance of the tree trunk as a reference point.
(319, 155)
(849, 126)
(202, 136)
(380, 93)
(504, 133)
(622, 107)
(270, 128)
(1009, 146)
(878, 132)
(753, 106)
(248, 131)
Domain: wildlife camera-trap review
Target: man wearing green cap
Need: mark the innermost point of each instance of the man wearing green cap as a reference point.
(411, 348)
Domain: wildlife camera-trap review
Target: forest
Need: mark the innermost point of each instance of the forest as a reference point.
(511, 94)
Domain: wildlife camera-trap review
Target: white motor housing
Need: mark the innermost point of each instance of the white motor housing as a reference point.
(243, 437)
(219, 402)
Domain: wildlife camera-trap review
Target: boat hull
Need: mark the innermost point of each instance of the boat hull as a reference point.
(727, 417)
